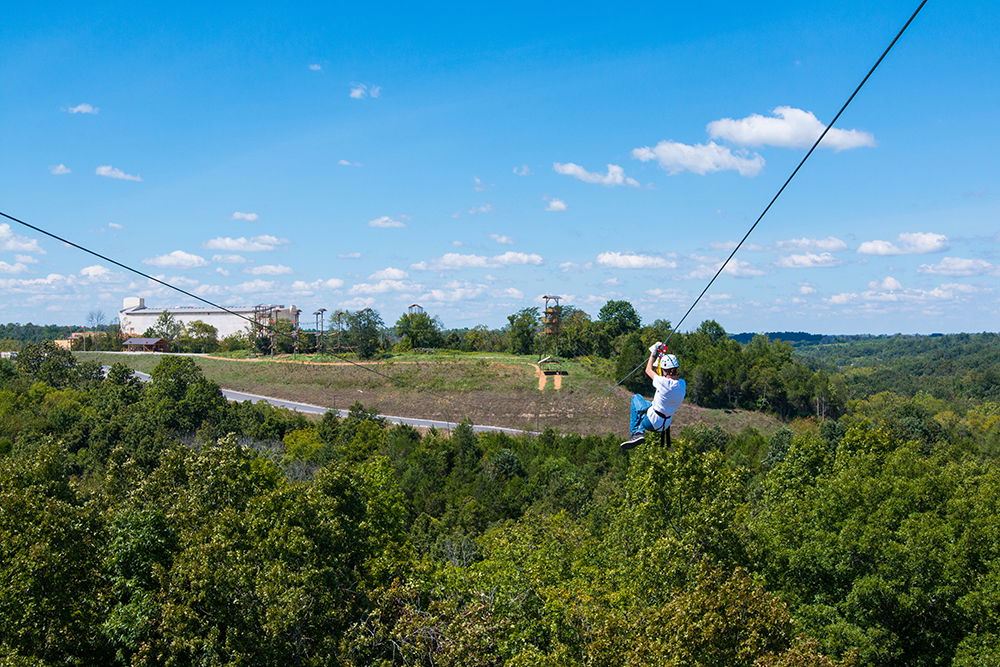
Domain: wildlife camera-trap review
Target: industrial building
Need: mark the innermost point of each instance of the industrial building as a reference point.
(136, 317)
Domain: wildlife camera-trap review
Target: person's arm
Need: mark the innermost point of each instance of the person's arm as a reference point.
(649, 362)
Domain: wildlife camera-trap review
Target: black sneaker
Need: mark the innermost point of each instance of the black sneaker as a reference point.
(637, 439)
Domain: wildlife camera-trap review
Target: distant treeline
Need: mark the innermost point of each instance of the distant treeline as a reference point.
(953, 367)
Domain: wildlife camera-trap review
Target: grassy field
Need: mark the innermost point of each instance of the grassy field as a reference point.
(488, 389)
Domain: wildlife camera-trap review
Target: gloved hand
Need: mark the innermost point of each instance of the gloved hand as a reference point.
(654, 347)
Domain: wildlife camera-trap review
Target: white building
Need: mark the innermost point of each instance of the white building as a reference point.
(135, 316)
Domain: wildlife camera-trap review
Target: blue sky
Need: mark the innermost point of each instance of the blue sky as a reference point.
(472, 159)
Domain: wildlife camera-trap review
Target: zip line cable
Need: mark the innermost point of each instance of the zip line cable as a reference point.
(211, 303)
(788, 180)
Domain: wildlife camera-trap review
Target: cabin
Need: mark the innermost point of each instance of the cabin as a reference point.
(146, 345)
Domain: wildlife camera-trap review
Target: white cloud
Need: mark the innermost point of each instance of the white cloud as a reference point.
(254, 286)
(908, 243)
(454, 291)
(389, 273)
(615, 176)
(178, 259)
(242, 244)
(357, 303)
(806, 288)
(221, 271)
(457, 244)
(19, 267)
(958, 266)
(308, 288)
(115, 225)
(229, 259)
(240, 215)
(83, 108)
(347, 163)
(501, 239)
(808, 260)
(482, 208)
(829, 244)
(359, 91)
(349, 255)
(383, 286)
(788, 127)
(736, 268)
(386, 222)
(269, 270)
(522, 170)
(478, 185)
(16, 243)
(676, 157)
(842, 298)
(59, 169)
(315, 67)
(453, 261)
(667, 294)
(113, 172)
(25, 259)
(95, 272)
(509, 293)
(511, 257)
(555, 204)
(887, 283)
(628, 260)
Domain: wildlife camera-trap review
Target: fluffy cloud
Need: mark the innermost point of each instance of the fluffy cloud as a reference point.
(115, 225)
(25, 259)
(240, 215)
(359, 91)
(628, 260)
(16, 243)
(958, 266)
(676, 157)
(522, 170)
(178, 259)
(18, 267)
(908, 243)
(303, 287)
(452, 261)
(383, 286)
(95, 272)
(348, 163)
(888, 283)
(806, 288)
(59, 169)
(555, 204)
(269, 270)
(501, 239)
(808, 260)
(229, 259)
(113, 172)
(509, 293)
(253, 286)
(454, 291)
(829, 244)
(890, 290)
(615, 176)
(83, 108)
(389, 273)
(242, 244)
(736, 268)
(386, 221)
(788, 127)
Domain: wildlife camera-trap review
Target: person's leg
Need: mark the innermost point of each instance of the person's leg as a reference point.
(637, 414)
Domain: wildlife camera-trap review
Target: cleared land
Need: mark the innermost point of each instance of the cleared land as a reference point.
(488, 389)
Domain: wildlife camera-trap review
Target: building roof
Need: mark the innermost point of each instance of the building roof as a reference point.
(142, 341)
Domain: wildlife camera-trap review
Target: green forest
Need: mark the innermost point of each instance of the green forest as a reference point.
(159, 524)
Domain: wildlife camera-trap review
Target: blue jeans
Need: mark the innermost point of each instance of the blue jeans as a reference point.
(639, 422)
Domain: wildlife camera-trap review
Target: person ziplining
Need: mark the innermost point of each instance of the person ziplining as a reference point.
(662, 369)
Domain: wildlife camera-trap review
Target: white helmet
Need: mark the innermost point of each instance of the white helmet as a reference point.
(669, 361)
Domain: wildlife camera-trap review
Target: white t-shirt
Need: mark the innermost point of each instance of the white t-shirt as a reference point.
(668, 397)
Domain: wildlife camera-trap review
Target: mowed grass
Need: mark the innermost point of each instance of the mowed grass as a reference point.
(488, 389)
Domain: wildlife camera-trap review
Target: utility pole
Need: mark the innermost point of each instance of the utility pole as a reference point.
(319, 326)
